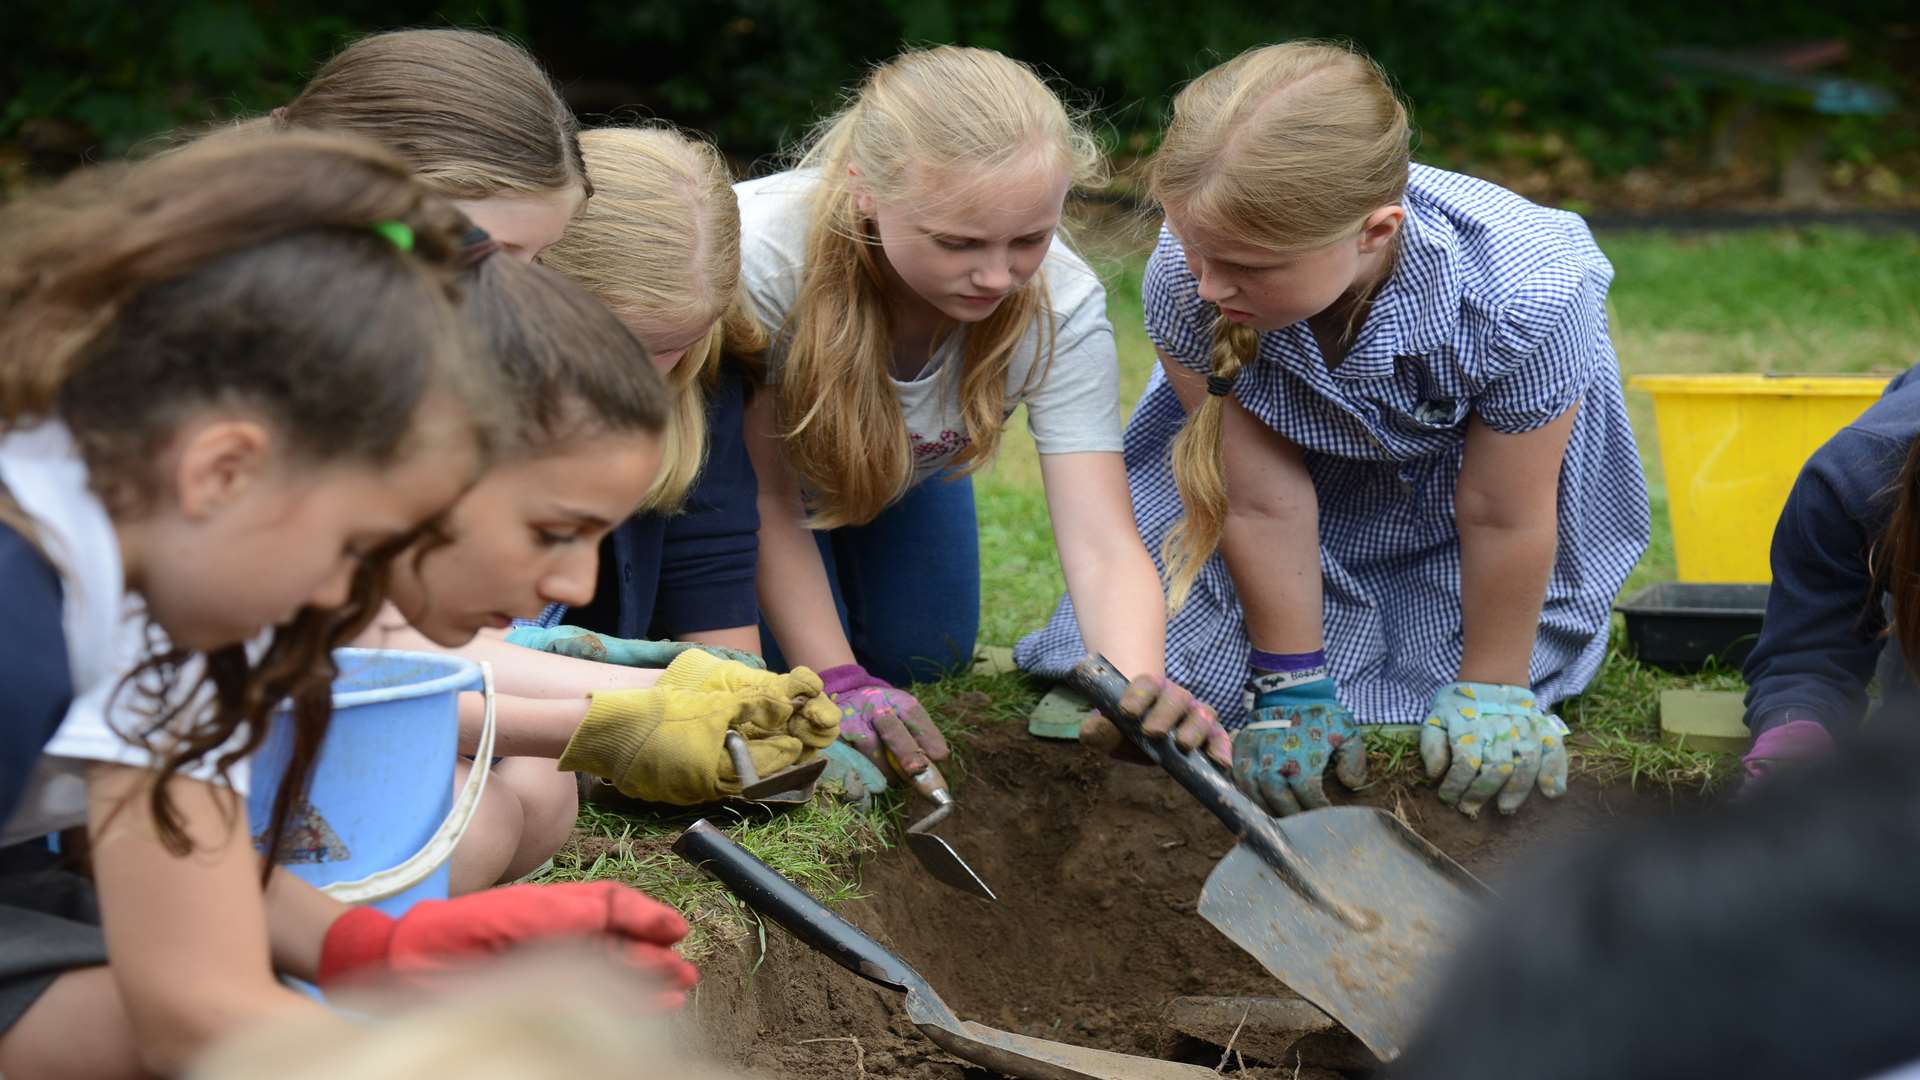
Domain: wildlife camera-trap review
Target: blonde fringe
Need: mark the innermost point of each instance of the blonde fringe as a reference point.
(1199, 471)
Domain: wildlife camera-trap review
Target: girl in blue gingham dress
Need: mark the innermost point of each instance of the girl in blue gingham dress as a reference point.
(1484, 333)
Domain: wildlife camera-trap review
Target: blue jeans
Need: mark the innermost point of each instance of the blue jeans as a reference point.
(907, 584)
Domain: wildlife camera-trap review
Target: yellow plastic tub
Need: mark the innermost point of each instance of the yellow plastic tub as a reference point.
(1730, 448)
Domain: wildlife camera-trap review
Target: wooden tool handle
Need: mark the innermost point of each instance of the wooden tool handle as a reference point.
(1097, 679)
(789, 906)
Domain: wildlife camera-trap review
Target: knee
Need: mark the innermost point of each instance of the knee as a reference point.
(549, 805)
(487, 850)
(79, 1028)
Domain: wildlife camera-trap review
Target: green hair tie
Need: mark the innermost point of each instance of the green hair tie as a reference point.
(398, 233)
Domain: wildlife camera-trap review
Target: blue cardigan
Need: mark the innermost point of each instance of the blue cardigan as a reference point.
(670, 576)
(1825, 629)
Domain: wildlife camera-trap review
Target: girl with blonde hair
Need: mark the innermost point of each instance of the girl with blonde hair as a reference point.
(916, 290)
(660, 245)
(1386, 455)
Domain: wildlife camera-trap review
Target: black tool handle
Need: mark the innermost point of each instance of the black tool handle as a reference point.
(765, 891)
(1097, 678)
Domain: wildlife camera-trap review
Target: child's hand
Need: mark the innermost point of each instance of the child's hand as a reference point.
(440, 937)
(1487, 739)
(1163, 708)
(629, 652)
(876, 718)
(1280, 758)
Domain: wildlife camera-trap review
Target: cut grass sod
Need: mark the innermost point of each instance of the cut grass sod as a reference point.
(1778, 300)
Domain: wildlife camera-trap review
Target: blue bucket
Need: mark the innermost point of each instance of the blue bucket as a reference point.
(382, 791)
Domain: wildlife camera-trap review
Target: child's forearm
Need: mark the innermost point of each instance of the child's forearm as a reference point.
(524, 727)
(298, 918)
(795, 596)
(1503, 585)
(1122, 611)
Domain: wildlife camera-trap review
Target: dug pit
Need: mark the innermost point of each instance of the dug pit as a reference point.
(1095, 940)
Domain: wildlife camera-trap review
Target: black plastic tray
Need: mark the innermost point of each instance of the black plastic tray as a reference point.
(1681, 625)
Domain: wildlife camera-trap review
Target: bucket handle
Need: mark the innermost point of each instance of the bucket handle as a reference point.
(418, 866)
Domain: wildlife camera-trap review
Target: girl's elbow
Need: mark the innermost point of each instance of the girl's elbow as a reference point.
(1476, 509)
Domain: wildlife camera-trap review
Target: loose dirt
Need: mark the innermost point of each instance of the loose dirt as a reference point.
(1098, 865)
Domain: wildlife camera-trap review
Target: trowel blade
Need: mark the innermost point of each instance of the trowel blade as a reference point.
(1028, 1058)
(1376, 981)
(790, 785)
(945, 864)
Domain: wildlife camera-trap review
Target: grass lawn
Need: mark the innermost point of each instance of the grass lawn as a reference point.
(1773, 301)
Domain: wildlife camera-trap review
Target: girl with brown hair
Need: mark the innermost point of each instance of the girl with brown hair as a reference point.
(1385, 456)
(234, 386)
(474, 114)
(916, 292)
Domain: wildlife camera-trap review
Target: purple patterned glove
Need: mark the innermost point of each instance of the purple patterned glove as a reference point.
(876, 718)
(1783, 745)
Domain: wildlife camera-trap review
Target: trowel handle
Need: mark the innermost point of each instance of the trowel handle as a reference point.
(742, 758)
(788, 905)
(1099, 681)
(928, 781)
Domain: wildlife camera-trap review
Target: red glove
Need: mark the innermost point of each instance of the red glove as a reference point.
(439, 936)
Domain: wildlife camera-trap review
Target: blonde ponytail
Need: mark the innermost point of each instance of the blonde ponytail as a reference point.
(1197, 466)
(940, 111)
(1288, 148)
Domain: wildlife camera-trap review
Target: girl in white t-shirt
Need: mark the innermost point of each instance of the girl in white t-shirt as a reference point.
(233, 380)
(911, 278)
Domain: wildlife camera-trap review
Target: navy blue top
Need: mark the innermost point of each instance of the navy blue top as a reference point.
(670, 576)
(35, 680)
(1826, 619)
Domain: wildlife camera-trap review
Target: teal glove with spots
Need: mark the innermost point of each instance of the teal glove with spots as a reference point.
(1490, 740)
(858, 779)
(607, 649)
(1280, 757)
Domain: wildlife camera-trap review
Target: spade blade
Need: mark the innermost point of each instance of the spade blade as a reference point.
(1375, 980)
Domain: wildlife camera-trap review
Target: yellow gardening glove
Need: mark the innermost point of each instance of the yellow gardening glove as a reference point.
(668, 745)
(815, 721)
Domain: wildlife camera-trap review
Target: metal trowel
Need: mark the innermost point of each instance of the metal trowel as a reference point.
(787, 787)
(1021, 1056)
(937, 856)
(1346, 905)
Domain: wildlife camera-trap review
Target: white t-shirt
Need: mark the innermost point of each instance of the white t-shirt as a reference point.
(1075, 409)
(106, 629)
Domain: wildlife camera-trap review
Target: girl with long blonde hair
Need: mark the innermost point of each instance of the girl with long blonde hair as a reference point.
(1386, 455)
(912, 278)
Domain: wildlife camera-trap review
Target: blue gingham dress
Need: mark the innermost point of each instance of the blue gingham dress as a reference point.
(1496, 307)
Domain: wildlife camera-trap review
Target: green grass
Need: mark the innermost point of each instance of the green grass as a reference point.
(817, 846)
(1776, 301)
(1789, 300)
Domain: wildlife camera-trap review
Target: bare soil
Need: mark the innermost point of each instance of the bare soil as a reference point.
(1098, 865)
